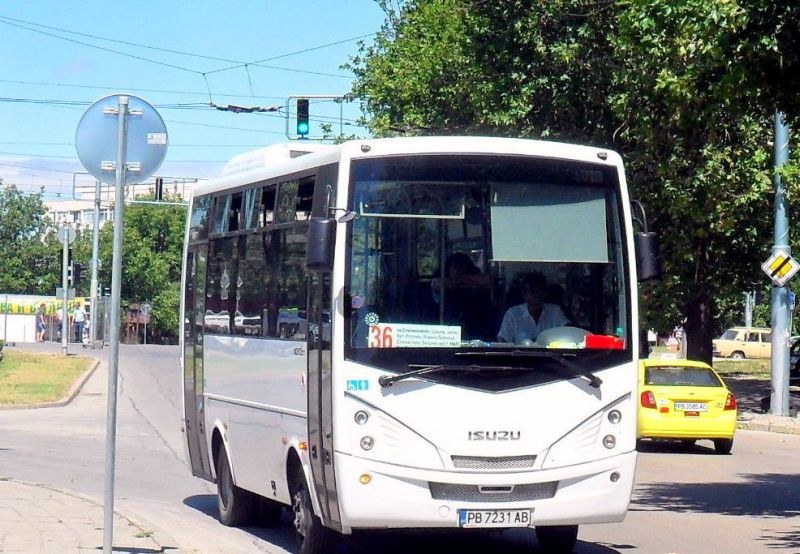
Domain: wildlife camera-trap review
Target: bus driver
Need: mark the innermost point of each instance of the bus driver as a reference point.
(524, 322)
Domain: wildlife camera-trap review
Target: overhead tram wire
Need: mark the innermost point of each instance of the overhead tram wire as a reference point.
(108, 87)
(27, 26)
(270, 111)
(178, 52)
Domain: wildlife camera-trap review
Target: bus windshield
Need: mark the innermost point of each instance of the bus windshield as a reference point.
(485, 252)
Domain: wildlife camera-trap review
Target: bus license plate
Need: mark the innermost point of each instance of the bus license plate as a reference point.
(691, 406)
(495, 518)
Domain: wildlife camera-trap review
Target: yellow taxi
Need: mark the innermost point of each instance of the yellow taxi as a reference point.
(687, 401)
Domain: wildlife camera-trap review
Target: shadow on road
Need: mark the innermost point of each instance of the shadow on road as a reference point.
(764, 495)
(785, 540)
(281, 536)
(517, 541)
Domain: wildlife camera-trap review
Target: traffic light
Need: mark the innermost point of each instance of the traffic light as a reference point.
(77, 269)
(302, 117)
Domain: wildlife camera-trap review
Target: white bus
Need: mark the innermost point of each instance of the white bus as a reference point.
(433, 332)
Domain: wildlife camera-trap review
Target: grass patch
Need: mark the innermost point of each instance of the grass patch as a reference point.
(759, 368)
(31, 378)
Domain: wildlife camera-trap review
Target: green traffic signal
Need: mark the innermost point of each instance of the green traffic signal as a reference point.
(302, 117)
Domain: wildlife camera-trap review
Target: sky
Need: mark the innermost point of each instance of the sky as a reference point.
(57, 58)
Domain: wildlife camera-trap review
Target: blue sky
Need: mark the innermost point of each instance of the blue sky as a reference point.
(56, 58)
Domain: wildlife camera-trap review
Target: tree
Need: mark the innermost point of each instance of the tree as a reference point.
(151, 270)
(683, 88)
(30, 254)
(696, 120)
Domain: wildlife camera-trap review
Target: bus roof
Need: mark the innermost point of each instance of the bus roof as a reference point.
(289, 158)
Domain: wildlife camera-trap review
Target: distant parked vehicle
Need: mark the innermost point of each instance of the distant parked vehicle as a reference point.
(744, 342)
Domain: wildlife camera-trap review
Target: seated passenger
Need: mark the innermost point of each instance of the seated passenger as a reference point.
(525, 321)
(467, 297)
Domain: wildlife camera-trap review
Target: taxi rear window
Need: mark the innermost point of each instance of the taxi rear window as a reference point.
(681, 376)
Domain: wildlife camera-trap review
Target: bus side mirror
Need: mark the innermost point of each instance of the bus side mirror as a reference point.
(321, 238)
(648, 264)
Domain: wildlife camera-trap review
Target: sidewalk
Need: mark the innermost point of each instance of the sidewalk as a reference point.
(37, 517)
(40, 518)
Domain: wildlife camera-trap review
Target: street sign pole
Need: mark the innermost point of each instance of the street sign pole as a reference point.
(95, 265)
(138, 152)
(66, 236)
(64, 296)
(779, 399)
(113, 358)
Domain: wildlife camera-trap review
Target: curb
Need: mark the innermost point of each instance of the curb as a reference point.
(73, 392)
(773, 424)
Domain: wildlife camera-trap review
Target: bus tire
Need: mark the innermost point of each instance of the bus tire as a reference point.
(312, 536)
(559, 539)
(235, 504)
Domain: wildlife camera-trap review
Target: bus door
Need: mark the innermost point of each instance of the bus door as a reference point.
(194, 310)
(320, 397)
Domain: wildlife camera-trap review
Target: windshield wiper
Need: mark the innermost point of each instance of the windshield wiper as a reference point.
(419, 369)
(574, 369)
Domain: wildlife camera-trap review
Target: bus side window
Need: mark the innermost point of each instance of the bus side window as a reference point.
(199, 222)
(222, 206)
(221, 287)
(291, 286)
(267, 207)
(251, 310)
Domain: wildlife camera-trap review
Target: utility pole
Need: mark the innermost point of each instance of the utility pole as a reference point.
(779, 399)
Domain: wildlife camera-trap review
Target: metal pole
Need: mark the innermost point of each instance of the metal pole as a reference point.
(64, 293)
(748, 308)
(5, 322)
(113, 358)
(779, 399)
(95, 265)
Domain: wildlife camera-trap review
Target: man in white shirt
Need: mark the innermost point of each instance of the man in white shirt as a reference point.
(525, 321)
(79, 316)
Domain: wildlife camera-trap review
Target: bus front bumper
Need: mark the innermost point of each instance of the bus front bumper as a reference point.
(402, 497)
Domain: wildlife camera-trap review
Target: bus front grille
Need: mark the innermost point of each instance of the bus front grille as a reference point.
(486, 462)
(476, 493)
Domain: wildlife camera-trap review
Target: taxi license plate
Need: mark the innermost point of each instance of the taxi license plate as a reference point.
(495, 518)
(691, 406)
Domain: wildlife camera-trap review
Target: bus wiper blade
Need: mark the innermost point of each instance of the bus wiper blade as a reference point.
(418, 369)
(574, 369)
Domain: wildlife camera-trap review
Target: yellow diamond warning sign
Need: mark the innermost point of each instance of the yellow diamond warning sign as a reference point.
(780, 267)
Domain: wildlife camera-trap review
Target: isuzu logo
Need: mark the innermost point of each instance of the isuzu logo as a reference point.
(493, 435)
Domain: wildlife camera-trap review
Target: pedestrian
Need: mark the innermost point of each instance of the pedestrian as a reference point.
(41, 323)
(79, 317)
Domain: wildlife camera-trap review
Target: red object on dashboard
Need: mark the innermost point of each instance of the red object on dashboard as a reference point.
(609, 342)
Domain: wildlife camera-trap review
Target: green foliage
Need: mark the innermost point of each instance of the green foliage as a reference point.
(152, 250)
(29, 249)
(684, 89)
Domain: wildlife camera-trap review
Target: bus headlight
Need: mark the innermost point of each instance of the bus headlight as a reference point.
(614, 416)
(367, 442)
(609, 441)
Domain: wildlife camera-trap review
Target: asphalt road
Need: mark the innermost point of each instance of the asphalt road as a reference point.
(685, 500)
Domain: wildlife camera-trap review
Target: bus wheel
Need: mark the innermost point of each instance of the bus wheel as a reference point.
(235, 504)
(558, 539)
(312, 536)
